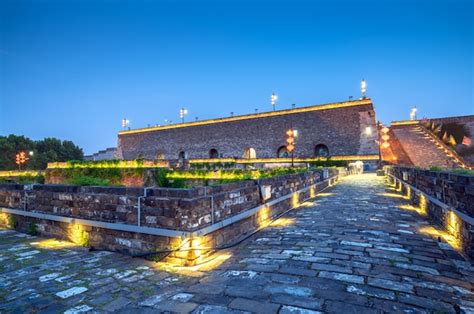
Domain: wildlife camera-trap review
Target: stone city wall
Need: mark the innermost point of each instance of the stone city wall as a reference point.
(342, 127)
(181, 210)
(454, 190)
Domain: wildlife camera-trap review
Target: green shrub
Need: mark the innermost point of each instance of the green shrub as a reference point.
(436, 168)
(12, 222)
(32, 229)
(463, 171)
(160, 176)
(328, 163)
(88, 181)
(177, 183)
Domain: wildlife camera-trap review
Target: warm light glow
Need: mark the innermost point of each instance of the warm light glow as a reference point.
(368, 130)
(324, 194)
(195, 243)
(405, 122)
(385, 130)
(385, 144)
(26, 173)
(208, 264)
(312, 191)
(52, 244)
(391, 195)
(385, 137)
(295, 199)
(108, 164)
(453, 224)
(423, 203)
(281, 160)
(408, 196)
(4, 219)
(78, 235)
(399, 186)
(263, 216)
(282, 222)
(450, 239)
(409, 207)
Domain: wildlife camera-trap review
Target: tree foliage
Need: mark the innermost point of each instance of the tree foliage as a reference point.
(44, 151)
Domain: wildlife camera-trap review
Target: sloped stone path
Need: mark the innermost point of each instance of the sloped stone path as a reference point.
(350, 250)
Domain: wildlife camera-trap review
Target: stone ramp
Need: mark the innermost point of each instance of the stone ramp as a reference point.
(357, 247)
(421, 148)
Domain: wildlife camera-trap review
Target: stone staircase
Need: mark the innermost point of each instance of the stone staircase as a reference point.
(423, 149)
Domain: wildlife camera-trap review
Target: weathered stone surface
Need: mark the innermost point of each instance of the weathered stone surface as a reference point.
(230, 139)
(115, 282)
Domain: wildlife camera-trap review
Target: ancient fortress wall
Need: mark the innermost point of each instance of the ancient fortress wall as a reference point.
(342, 127)
(138, 220)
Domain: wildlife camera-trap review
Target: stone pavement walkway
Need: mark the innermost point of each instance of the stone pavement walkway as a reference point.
(350, 250)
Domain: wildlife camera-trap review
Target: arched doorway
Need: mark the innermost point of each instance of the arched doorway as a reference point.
(250, 153)
(321, 150)
(213, 153)
(283, 152)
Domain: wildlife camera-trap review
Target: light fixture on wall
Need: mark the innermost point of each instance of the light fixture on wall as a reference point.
(368, 131)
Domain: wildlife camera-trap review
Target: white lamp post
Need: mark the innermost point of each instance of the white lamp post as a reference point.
(273, 100)
(413, 113)
(182, 113)
(125, 123)
(363, 88)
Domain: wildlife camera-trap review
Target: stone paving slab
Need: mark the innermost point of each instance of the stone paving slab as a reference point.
(349, 250)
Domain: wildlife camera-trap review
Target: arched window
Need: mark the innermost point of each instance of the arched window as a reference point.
(250, 153)
(213, 153)
(283, 152)
(182, 155)
(321, 150)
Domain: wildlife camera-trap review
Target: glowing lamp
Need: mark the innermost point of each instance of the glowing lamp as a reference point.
(182, 113)
(385, 145)
(273, 99)
(368, 130)
(125, 122)
(385, 137)
(363, 88)
(385, 130)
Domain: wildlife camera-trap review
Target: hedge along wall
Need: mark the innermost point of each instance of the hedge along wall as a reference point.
(181, 213)
(448, 201)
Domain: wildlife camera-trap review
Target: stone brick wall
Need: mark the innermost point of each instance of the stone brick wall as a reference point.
(184, 210)
(456, 191)
(341, 129)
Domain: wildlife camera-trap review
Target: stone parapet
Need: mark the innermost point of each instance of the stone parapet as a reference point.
(446, 198)
(107, 214)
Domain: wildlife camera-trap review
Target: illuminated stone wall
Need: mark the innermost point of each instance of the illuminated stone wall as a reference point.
(174, 209)
(342, 127)
(456, 191)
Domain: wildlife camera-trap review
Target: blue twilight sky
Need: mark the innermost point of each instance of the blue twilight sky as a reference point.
(74, 69)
